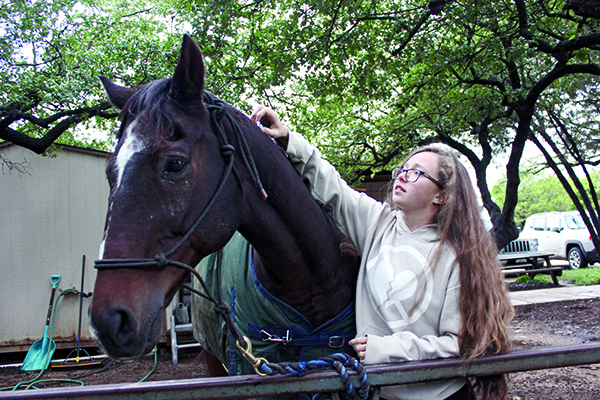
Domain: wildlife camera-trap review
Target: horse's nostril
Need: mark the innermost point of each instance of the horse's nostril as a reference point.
(121, 325)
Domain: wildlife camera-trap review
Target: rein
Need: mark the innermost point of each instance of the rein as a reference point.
(339, 361)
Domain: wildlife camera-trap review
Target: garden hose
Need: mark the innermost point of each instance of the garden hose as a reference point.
(153, 368)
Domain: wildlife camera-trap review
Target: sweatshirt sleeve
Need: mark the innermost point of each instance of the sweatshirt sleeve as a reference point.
(355, 213)
(408, 346)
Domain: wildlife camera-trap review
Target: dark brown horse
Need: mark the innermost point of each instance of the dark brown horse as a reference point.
(187, 173)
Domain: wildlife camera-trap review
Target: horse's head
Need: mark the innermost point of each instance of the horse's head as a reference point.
(166, 168)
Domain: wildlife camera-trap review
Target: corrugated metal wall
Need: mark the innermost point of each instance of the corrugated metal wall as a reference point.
(49, 218)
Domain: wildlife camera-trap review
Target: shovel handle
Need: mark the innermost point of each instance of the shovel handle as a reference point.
(54, 279)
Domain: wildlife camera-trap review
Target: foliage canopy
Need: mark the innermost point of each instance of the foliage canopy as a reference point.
(366, 81)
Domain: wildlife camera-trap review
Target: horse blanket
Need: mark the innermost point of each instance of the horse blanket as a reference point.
(277, 331)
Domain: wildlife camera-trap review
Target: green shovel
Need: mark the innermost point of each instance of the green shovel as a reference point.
(39, 354)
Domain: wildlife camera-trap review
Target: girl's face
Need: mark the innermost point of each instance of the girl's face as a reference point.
(423, 194)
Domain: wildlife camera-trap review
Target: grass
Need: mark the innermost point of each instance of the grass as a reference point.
(579, 277)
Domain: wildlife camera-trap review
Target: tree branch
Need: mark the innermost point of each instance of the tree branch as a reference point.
(434, 7)
(66, 119)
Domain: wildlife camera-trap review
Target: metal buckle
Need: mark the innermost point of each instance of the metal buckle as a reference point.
(272, 338)
(341, 342)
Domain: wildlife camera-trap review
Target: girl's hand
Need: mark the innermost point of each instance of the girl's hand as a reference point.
(271, 124)
(360, 346)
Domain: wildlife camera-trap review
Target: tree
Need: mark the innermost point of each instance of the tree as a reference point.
(53, 53)
(539, 192)
(570, 154)
(378, 77)
(365, 81)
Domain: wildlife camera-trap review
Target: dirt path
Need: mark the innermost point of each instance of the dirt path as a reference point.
(557, 324)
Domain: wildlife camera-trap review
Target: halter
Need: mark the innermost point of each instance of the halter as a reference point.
(217, 110)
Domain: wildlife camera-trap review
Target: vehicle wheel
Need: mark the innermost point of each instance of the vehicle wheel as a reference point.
(576, 259)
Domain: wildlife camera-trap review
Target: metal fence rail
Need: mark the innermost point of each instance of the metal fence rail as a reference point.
(248, 386)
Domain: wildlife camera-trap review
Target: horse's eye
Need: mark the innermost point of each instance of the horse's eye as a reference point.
(175, 165)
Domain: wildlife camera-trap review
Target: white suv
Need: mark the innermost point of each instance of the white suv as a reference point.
(563, 234)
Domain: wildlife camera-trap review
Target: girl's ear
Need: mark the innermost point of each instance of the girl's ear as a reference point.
(440, 198)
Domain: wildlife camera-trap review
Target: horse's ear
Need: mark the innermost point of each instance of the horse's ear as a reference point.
(188, 79)
(117, 95)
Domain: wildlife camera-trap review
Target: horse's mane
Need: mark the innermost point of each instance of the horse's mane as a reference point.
(147, 106)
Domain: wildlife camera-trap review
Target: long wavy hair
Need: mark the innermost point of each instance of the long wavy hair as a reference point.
(485, 306)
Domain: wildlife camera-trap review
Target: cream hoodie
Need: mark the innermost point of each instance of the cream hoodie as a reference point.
(408, 309)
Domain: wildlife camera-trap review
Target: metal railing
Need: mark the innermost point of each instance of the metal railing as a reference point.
(249, 386)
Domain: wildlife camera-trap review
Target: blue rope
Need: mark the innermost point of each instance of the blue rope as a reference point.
(341, 362)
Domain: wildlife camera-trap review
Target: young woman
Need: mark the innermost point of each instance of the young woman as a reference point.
(429, 284)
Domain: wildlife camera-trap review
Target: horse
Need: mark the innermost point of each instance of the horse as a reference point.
(187, 173)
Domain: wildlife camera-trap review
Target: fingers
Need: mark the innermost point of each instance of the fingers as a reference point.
(360, 346)
(271, 124)
(258, 113)
(358, 340)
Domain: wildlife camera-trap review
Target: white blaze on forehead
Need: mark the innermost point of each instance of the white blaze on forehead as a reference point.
(101, 250)
(132, 145)
(103, 244)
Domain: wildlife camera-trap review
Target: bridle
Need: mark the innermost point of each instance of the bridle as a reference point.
(217, 109)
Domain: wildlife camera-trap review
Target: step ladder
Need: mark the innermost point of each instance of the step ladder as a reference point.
(180, 328)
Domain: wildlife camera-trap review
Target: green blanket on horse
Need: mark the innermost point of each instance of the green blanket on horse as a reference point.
(277, 332)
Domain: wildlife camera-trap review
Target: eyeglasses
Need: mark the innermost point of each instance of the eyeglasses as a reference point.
(412, 175)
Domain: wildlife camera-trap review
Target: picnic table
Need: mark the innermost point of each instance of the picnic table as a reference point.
(529, 264)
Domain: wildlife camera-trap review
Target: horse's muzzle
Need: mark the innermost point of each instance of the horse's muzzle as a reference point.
(119, 334)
